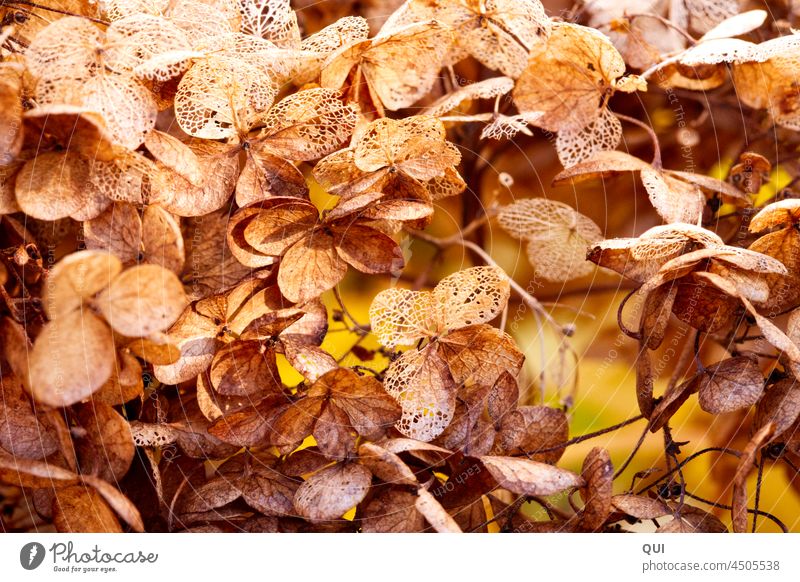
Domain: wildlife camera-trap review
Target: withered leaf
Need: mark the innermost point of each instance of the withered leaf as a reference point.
(526, 477)
(743, 468)
(730, 385)
(597, 473)
(72, 357)
(142, 300)
(385, 465)
(107, 449)
(24, 431)
(330, 492)
(779, 406)
(640, 507)
(392, 511)
(80, 509)
(434, 513)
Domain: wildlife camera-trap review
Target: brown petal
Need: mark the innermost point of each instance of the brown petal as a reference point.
(175, 155)
(532, 428)
(72, 357)
(283, 222)
(142, 300)
(745, 466)
(269, 492)
(251, 426)
(310, 267)
(117, 230)
(370, 409)
(162, 239)
(107, 448)
(730, 385)
(80, 509)
(480, 352)
(598, 473)
(23, 432)
(243, 368)
(76, 278)
(640, 507)
(53, 185)
(392, 511)
(34, 474)
(331, 492)
(266, 175)
(312, 362)
(386, 465)
(368, 250)
(526, 477)
(780, 406)
(434, 513)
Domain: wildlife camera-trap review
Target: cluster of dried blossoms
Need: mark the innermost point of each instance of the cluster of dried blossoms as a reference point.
(163, 258)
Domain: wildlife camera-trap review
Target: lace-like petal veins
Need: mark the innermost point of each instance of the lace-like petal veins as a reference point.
(486, 89)
(308, 125)
(474, 295)
(602, 134)
(119, 9)
(401, 316)
(316, 48)
(421, 383)
(415, 145)
(558, 236)
(64, 50)
(674, 200)
(641, 258)
(68, 59)
(136, 39)
(128, 108)
(498, 33)
(203, 21)
(506, 126)
(273, 20)
(568, 76)
(222, 96)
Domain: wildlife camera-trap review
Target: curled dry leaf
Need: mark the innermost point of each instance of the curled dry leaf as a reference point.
(434, 513)
(597, 473)
(744, 467)
(526, 477)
